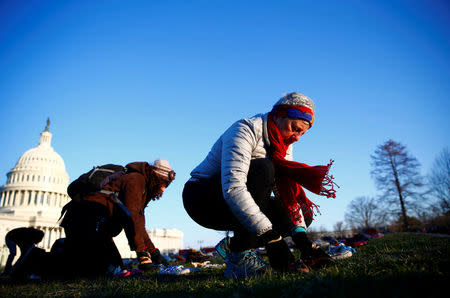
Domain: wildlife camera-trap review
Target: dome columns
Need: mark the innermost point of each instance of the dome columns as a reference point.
(20, 198)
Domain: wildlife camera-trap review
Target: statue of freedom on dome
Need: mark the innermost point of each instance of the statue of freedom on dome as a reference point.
(48, 124)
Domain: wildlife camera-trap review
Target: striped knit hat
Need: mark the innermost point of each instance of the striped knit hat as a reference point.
(164, 170)
(295, 105)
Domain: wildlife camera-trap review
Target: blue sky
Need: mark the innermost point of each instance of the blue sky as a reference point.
(130, 81)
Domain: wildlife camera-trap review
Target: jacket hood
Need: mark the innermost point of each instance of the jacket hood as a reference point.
(140, 167)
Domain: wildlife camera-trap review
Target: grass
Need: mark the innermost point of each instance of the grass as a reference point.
(396, 265)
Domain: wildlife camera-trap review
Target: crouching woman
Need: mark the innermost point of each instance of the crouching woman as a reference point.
(231, 190)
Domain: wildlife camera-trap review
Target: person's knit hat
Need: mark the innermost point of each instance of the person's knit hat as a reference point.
(295, 105)
(163, 168)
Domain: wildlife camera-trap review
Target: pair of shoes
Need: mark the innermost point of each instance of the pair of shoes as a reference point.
(223, 247)
(176, 270)
(340, 251)
(244, 264)
(128, 273)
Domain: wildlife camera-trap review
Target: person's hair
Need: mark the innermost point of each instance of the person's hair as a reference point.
(154, 184)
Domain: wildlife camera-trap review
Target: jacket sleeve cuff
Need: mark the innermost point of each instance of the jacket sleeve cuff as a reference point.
(263, 231)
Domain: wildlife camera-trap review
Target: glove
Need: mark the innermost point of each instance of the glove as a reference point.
(302, 242)
(280, 257)
(315, 258)
(157, 258)
(145, 263)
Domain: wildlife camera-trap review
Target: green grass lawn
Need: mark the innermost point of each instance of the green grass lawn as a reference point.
(396, 265)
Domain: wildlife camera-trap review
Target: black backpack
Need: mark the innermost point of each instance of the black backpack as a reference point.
(94, 180)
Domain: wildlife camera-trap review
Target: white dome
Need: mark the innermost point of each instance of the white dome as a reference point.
(39, 168)
(39, 179)
(41, 155)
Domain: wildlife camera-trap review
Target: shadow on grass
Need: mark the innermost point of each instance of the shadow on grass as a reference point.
(402, 265)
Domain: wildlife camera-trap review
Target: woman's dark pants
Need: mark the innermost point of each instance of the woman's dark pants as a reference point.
(205, 204)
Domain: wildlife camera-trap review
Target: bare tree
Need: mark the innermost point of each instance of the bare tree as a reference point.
(396, 173)
(363, 212)
(313, 233)
(339, 228)
(323, 230)
(439, 179)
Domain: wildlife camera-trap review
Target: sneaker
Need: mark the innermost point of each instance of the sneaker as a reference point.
(129, 272)
(223, 247)
(176, 270)
(342, 255)
(113, 270)
(244, 264)
(340, 251)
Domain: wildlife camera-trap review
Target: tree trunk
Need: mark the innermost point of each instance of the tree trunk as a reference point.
(400, 196)
(402, 204)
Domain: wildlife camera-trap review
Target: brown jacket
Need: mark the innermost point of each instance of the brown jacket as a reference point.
(132, 189)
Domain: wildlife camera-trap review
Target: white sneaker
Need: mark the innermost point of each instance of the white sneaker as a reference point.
(339, 252)
(176, 270)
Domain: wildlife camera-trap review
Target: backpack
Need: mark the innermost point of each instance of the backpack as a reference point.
(94, 180)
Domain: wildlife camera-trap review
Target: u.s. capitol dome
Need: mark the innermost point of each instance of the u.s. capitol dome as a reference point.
(35, 191)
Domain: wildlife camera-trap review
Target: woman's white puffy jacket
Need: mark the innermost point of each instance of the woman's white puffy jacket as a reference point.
(230, 157)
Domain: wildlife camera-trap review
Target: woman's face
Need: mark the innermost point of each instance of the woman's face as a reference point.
(291, 129)
(157, 192)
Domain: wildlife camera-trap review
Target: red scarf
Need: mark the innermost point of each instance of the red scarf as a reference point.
(290, 176)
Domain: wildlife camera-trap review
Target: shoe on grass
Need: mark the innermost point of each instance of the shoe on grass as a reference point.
(340, 251)
(244, 264)
(223, 247)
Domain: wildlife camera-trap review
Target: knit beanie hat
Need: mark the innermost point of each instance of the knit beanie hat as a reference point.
(164, 170)
(295, 105)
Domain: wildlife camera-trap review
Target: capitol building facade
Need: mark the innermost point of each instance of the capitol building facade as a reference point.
(35, 192)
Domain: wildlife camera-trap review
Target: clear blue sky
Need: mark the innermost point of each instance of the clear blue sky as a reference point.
(130, 81)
